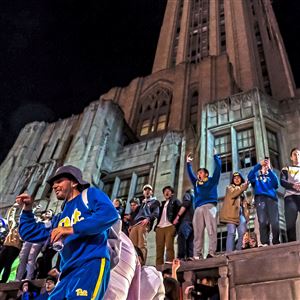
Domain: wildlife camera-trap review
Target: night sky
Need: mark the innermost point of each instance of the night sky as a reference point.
(57, 56)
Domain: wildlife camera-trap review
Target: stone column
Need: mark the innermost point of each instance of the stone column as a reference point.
(188, 275)
(115, 188)
(223, 283)
(184, 33)
(131, 193)
(203, 138)
(180, 191)
(234, 150)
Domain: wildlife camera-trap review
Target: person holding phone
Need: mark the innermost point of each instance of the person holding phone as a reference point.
(205, 203)
(265, 184)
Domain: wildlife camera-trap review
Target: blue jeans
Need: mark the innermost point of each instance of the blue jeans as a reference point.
(267, 213)
(185, 245)
(231, 230)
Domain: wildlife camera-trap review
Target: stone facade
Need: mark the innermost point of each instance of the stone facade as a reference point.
(220, 79)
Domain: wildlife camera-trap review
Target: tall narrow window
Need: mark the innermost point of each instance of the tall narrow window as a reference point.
(273, 149)
(222, 32)
(108, 188)
(145, 129)
(262, 58)
(67, 146)
(124, 188)
(54, 149)
(198, 31)
(194, 110)
(176, 34)
(41, 153)
(141, 181)
(221, 239)
(246, 148)
(161, 123)
(223, 148)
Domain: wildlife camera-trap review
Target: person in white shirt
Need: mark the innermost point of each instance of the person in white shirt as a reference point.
(165, 229)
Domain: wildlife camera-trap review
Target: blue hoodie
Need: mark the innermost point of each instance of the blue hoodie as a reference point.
(90, 225)
(206, 192)
(263, 184)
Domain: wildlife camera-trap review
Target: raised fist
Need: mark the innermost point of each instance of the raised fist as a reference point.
(24, 199)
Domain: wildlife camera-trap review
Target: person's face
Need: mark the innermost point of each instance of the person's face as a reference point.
(147, 192)
(133, 206)
(63, 188)
(246, 238)
(201, 175)
(116, 203)
(49, 286)
(167, 275)
(48, 214)
(205, 281)
(252, 243)
(237, 180)
(295, 157)
(167, 194)
(25, 287)
(266, 166)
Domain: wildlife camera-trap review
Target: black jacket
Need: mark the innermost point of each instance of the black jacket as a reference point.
(172, 209)
(149, 209)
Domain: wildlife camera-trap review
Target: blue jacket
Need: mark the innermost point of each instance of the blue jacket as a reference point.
(43, 296)
(90, 225)
(263, 184)
(206, 192)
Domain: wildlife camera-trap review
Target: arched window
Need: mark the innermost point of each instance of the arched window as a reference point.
(154, 112)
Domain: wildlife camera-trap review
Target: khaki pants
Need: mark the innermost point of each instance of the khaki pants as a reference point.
(138, 236)
(205, 216)
(165, 238)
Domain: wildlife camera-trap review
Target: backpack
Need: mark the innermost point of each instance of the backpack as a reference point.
(114, 243)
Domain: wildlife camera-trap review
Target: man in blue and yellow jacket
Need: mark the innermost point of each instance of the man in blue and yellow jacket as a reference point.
(83, 230)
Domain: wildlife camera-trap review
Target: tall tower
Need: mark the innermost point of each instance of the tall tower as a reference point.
(246, 32)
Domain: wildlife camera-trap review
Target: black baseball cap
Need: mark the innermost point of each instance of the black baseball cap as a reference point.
(68, 171)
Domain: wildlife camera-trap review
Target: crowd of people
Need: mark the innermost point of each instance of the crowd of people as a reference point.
(84, 235)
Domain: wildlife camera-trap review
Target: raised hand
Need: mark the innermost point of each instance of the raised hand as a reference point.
(26, 200)
(246, 182)
(189, 157)
(175, 264)
(263, 162)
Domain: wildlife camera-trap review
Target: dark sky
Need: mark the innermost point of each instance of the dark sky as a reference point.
(56, 56)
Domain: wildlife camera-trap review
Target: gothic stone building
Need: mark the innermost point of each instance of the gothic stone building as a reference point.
(221, 78)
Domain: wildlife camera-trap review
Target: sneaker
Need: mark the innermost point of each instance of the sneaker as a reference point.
(190, 259)
(262, 245)
(197, 257)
